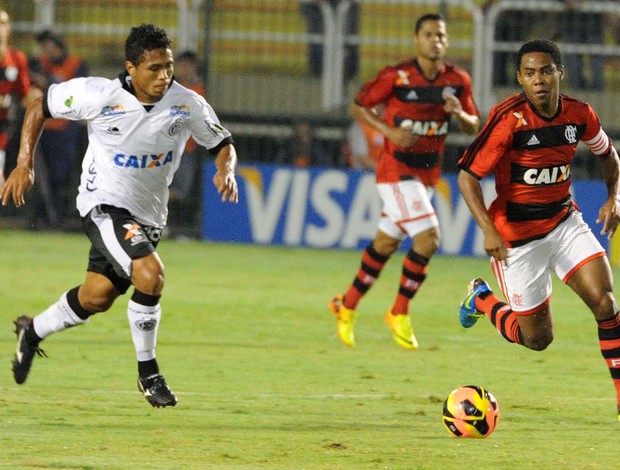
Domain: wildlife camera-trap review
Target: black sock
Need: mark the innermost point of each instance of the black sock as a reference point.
(74, 303)
(148, 368)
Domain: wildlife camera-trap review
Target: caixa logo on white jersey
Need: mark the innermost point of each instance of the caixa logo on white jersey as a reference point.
(143, 161)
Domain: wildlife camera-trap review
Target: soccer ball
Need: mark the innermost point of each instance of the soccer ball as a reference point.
(470, 411)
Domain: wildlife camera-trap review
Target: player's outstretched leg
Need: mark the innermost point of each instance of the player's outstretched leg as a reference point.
(468, 315)
(346, 320)
(27, 347)
(402, 331)
(156, 391)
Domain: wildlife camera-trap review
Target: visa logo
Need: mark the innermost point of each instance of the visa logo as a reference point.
(335, 208)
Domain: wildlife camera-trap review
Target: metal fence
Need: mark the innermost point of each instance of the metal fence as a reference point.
(271, 63)
(589, 38)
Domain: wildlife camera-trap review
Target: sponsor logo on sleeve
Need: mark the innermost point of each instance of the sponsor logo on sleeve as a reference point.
(214, 128)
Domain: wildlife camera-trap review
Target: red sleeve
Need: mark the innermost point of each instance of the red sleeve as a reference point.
(594, 136)
(467, 97)
(378, 90)
(493, 141)
(593, 125)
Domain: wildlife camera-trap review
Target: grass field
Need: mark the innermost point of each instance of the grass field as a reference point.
(264, 383)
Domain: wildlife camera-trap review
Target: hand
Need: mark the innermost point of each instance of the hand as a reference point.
(609, 215)
(452, 105)
(402, 137)
(19, 181)
(495, 246)
(226, 185)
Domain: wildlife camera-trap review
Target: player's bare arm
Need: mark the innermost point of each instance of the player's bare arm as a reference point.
(609, 214)
(32, 95)
(471, 190)
(224, 179)
(21, 178)
(468, 123)
(401, 136)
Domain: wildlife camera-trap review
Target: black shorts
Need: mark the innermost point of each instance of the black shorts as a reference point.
(117, 238)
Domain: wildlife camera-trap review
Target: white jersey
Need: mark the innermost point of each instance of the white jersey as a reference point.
(132, 153)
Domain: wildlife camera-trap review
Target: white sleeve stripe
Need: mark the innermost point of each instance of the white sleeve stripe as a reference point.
(599, 144)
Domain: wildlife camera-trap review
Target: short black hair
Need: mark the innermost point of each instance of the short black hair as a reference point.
(187, 55)
(540, 45)
(428, 17)
(144, 38)
(52, 36)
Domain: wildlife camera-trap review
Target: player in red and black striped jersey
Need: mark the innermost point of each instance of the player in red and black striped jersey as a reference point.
(533, 227)
(14, 82)
(418, 97)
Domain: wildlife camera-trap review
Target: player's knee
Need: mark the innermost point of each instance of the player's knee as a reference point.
(540, 342)
(386, 246)
(427, 243)
(148, 275)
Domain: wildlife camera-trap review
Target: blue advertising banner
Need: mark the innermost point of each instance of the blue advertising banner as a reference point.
(336, 208)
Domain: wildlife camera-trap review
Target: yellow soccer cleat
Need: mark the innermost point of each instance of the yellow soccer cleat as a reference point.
(346, 320)
(401, 329)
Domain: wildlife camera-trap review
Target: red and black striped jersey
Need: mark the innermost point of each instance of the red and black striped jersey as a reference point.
(14, 80)
(411, 100)
(531, 157)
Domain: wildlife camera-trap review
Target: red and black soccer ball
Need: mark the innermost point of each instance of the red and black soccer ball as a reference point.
(470, 411)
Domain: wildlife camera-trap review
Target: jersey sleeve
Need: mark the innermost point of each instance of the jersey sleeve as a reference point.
(594, 136)
(379, 89)
(467, 97)
(493, 141)
(75, 99)
(205, 126)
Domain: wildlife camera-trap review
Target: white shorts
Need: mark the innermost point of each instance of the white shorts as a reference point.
(407, 208)
(526, 280)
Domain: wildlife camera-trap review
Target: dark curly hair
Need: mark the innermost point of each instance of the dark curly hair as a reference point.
(541, 45)
(143, 38)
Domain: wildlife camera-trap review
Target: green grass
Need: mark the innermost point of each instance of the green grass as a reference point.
(263, 382)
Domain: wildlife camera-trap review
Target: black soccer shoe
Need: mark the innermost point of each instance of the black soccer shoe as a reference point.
(156, 391)
(24, 354)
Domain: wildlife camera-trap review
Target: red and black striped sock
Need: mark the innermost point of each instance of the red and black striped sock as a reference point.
(501, 315)
(372, 264)
(609, 341)
(411, 279)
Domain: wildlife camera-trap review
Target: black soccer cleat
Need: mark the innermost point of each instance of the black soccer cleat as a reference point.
(24, 354)
(156, 391)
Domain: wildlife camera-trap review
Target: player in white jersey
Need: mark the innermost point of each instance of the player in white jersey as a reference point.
(138, 125)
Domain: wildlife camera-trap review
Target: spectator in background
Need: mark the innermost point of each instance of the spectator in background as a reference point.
(186, 185)
(313, 15)
(14, 82)
(583, 27)
(61, 141)
(364, 146)
(304, 150)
